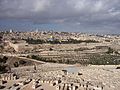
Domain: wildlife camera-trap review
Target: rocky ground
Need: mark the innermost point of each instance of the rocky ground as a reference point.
(50, 76)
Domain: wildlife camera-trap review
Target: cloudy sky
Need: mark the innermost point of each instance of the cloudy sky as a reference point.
(100, 16)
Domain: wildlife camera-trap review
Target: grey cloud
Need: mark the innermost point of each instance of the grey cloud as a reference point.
(101, 13)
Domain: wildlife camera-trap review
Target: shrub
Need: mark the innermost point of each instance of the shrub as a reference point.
(22, 62)
(16, 64)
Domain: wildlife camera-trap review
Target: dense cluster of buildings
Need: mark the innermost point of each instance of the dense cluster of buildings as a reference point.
(17, 40)
(51, 76)
(61, 36)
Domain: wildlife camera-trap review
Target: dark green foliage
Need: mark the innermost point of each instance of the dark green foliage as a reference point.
(50, 49)
(34, 41)
(81, 49)
(56, 41)
(42, 59)
(3, 66)
(118, 68)
(1, 47)
(74, 41)
(4, 59)
(22, 62)
(116, 52)
(93, 59)
(107, 40)
(65, 60)
(16, 64)
(106, 59)
(2, 87)
(110, 50)
(38, 58)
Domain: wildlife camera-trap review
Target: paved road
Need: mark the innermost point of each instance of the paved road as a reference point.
(32, 60)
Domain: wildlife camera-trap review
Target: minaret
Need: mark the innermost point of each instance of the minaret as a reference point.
(11, 30)
(36, 30)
